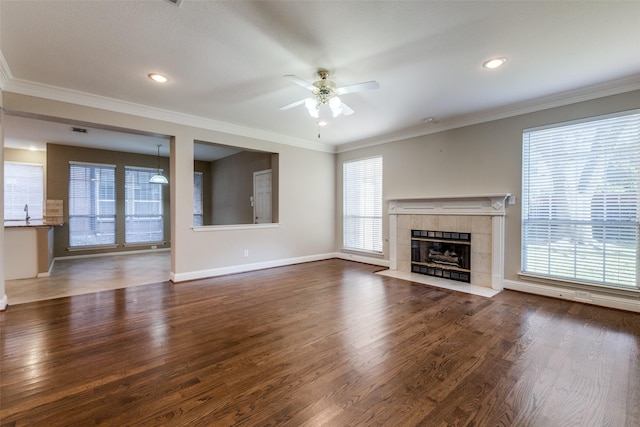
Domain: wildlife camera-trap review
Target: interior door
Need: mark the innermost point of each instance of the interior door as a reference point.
(262, 197)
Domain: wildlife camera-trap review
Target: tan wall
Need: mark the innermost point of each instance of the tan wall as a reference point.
(232, 186)
(58, 158)
(26, 156)
(479, 159)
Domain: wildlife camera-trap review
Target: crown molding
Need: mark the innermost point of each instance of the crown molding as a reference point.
(54, 93)
(614, 87)
(23, 87)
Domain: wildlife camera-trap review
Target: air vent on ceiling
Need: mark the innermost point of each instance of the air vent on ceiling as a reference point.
(175, 2)
(79, 130)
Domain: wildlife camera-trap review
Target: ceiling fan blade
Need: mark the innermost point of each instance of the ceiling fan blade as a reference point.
(297, 80)
(358, 87)
(293, 104)
(346, 110)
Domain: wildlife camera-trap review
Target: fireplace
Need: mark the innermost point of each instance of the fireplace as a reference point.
(480, 215)
(441, 254)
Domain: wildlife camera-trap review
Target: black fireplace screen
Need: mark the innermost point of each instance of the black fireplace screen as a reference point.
(441, 254)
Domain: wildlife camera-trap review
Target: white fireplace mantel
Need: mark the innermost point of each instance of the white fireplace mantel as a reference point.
(492, 205)
(475, 204)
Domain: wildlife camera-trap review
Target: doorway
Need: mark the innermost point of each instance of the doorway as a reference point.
(262, 196)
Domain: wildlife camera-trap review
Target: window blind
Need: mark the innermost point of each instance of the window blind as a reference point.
(197, 199)
(23, 186)
(143, 207)
(580, 201)
(362, 205)
(92, 205)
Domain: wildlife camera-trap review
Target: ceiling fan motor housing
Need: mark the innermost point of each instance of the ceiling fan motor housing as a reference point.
(326, 89)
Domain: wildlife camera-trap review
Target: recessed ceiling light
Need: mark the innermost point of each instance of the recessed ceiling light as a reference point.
(494, 62)
(158, 78)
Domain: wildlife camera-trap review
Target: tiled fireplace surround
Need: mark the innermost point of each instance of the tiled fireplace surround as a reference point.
(480, 215)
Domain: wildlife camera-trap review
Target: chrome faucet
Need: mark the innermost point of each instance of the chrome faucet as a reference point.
(26, 209)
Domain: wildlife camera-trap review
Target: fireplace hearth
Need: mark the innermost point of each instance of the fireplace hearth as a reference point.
(441, 254)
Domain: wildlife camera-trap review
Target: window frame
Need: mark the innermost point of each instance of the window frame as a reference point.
(131, 214)
(371, 221)
(34, 200)
(101, 215)
(607, 227)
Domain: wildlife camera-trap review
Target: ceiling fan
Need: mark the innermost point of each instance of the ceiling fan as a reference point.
(325, 92)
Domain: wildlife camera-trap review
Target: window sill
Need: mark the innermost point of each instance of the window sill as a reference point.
(141, 244)
(578, 285)
(210, 228)
(90, 248)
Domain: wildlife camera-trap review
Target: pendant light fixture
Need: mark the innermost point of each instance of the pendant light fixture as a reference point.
(158, 178)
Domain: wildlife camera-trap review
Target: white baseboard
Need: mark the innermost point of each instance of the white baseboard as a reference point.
(588, 296)
(361, 258)
(243, 268)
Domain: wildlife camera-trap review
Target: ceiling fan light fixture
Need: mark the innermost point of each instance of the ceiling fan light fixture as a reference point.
(336, 106)
(312, 108)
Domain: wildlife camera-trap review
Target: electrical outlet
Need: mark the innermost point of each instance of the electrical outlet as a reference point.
(154, 247)
(246, 253)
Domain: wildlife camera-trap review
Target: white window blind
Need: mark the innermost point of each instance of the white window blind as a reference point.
(580, 201)
(143, 207)
(197, 199)
(92, 205)
(362, 205)
(23, 190)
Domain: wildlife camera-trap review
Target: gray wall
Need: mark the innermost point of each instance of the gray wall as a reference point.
(205, 168)
(479, 159)
(232, 186)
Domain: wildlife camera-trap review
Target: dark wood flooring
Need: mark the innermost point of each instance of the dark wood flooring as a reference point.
(324, 343)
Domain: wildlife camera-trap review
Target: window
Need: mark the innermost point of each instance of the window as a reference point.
(92, 205)
(580, 201)
(362, 205)
(23, 191)
(143, 207)
(197, 199)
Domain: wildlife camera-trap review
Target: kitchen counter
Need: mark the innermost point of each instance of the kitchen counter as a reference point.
(28, 248)
(30, 223)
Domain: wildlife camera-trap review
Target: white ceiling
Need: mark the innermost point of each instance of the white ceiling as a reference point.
(225, 61)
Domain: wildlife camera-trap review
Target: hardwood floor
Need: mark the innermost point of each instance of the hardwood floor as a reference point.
(324, 343)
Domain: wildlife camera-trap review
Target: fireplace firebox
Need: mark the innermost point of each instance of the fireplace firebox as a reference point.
(441, 254)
